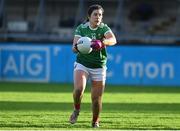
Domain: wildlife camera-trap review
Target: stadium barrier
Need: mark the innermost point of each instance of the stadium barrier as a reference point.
(127, 65)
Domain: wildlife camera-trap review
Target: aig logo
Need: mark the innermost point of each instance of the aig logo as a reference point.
(25, 63)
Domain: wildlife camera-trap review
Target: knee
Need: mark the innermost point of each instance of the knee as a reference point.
(78, 92)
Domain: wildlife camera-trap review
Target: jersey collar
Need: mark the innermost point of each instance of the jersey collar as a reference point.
(91, 27)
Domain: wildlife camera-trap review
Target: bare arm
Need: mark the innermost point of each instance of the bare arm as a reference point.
(110, 39)
(76, 38)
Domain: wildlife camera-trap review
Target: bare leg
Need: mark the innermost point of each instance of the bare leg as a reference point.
(80, 79)
(96, 96)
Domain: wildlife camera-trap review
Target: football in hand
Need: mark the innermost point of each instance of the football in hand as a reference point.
(84, 45)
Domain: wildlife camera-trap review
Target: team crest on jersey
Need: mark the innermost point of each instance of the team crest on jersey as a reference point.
(93, 35)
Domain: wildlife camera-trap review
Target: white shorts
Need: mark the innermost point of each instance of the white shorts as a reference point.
(97, 74)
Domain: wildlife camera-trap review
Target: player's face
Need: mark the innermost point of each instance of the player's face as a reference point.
(96, 18)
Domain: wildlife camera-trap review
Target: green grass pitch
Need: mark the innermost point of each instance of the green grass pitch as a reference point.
(31, 106)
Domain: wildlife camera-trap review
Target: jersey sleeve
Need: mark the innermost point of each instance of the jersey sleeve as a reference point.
(106, 29)
(78, 31)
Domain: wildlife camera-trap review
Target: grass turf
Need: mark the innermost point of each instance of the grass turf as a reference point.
(48, 106)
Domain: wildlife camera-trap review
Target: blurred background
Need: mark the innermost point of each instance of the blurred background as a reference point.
(147, 31)
(146, 21)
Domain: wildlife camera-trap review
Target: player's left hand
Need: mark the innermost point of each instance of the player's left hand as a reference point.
(96, 44)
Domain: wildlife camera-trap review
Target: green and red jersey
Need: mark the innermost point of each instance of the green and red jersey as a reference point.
(96, 59)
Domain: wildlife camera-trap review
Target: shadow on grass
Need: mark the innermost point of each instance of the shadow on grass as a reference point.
(51, 88)
(109, 107)
(66, 126)
(35, 87)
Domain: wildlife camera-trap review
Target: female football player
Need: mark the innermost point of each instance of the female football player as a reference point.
(91, 66)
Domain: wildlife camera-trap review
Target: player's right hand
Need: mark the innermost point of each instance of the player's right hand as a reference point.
(75, 49)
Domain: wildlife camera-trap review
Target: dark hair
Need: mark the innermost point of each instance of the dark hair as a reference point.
(92, 8)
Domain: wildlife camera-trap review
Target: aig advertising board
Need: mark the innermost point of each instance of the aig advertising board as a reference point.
(35, 63)
(127, 65)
